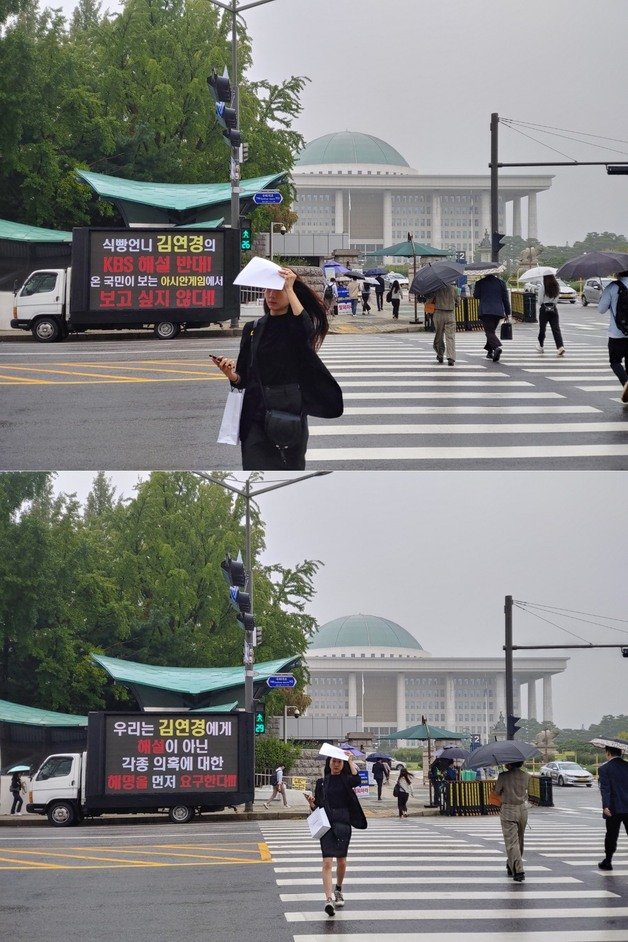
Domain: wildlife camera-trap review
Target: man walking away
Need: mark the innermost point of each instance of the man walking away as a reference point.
(444, 301)
(614, 791)
(494, 305)
(617, 327)
(378, 774)
(512, 786)
(380, 288)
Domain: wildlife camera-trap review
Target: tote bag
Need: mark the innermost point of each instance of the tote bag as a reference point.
(229, 433)
(318, 823)
(505, 332)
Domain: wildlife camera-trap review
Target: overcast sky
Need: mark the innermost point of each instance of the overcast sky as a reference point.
(425, 76)
(438, 552)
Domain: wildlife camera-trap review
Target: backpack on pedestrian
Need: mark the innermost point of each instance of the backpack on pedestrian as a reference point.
(273, 778)
(621, 310)
(328, 294)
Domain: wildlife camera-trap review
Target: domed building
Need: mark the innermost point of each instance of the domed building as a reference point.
(354, 183)
(369, 668)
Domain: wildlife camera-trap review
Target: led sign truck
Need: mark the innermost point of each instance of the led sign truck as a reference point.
(167, 279)
(141, 763)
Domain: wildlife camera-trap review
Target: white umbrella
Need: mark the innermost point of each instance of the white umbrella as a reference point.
(537, 272)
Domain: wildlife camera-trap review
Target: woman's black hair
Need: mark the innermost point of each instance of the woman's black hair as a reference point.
(551, 286)
(314, 306)
(407, 775)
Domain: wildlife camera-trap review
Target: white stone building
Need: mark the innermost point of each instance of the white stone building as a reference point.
(364, 665)
(359, 184)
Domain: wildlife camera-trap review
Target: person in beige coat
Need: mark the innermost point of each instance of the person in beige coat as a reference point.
(512, 787)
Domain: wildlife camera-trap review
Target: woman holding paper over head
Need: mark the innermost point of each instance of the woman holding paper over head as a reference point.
(334, 792)
(280, 372)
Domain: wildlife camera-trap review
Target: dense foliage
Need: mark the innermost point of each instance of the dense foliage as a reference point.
(138, 579)
(125, 94)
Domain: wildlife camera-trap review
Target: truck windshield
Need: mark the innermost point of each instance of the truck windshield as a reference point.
(54, 767)
(39, 282)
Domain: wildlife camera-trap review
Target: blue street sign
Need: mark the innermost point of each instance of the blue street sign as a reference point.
(282, 680)
(267, 196)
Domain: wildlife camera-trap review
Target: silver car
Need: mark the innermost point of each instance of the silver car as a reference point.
(592, 290)
(567, 773)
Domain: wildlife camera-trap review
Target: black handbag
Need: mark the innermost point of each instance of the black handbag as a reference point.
(283, 422)
(505, 331)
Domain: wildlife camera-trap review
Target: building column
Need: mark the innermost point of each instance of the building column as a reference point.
(401, 701)
(500, 696)
(387, 218)
(436, 221)
(450, 702)
(485, 213)
(516, 216)
(532, 699)
(532, 218)
(516, 696)
(353, 695)
(339, 213)
(548, 712)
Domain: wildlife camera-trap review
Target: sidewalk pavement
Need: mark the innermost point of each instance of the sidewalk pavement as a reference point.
(297, 808)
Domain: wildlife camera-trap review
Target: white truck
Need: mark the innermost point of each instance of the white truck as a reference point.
(178, 763)
(167, 279)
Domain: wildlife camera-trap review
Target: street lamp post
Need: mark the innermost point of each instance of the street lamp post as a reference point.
(281, 229)
(248, 494)
(234, 9)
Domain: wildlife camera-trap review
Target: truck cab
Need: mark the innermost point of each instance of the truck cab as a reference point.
(40, 305)
(56, 788)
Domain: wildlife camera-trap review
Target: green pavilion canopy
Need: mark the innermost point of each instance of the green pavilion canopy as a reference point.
(424, 731)
(31, 716)
(145, 203)
(193, 688)
(18, 232)
(410, 249)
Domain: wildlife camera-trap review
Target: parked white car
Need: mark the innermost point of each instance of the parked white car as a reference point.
(567, 773)
(566, 293)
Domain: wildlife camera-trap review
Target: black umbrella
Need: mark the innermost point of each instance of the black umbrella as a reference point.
(435, 275)
(374, 756)
(375, 271)
(452, 752)
(594, 263)
(501, 753)
(351, 273)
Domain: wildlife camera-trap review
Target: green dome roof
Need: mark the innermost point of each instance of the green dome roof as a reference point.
(350, 147)
(363, 631)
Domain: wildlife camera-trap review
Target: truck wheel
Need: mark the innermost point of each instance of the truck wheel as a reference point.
(584, 301)
(46, 330)
(181, 814)
(166, 330)
(62, 814)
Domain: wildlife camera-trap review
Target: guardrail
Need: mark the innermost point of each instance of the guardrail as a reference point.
(540, 791)
(471, 798)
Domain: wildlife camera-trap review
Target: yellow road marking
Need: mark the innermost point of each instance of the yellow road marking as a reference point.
(31, 863)
(200, 859)
(110, 382)
(115, 366)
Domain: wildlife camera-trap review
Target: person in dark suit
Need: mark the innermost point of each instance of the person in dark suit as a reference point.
(492, 294)
(614, 791)
(278, 368)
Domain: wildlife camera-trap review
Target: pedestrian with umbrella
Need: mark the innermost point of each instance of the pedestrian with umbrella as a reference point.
(435, 281)
(512, 787)
(614, 299)
(492, 294)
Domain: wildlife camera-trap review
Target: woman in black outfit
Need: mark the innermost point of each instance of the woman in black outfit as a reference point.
(335, 793)
(279, 369)
(16, 788)
(547, 297)
(404, 790)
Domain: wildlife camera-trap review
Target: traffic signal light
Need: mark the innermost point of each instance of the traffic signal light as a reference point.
(235, 575)
(260, 721)
(614, 169)
(511, 726)
(220, 89)
(497, 244)
(624, 652)
(246, 235)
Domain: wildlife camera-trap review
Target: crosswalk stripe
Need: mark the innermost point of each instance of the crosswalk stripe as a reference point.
(469, 410)
(522, 428)
(585, 935)
(445, 394)
(470, 895)
(421, 915)
(424, 880)
(458, 453)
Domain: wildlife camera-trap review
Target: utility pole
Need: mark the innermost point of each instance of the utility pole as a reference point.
(494, 185)
(508, 657)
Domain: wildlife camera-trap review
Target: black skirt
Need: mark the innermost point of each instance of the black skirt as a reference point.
(336, 842)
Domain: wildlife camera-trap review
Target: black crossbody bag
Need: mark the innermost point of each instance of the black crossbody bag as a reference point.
(283, 421)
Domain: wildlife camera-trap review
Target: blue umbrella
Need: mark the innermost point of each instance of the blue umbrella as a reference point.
(372, 272)
(352, 749)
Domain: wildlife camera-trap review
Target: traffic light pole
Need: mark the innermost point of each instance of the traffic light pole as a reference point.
(494, 185)
(509, 647)
(508, 652)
